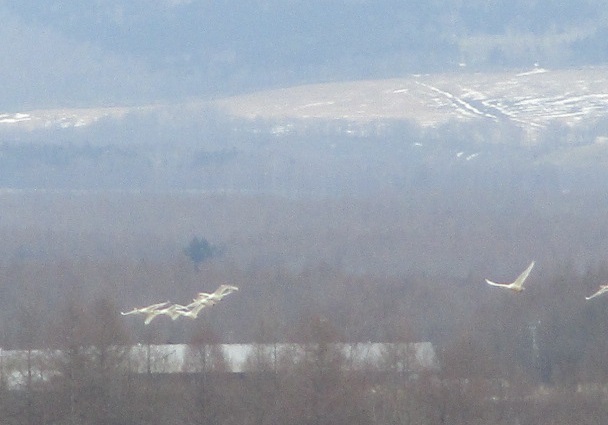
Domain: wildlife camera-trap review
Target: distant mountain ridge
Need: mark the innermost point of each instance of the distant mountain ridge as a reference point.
(532, 100)
(140, 51)
(328, 139)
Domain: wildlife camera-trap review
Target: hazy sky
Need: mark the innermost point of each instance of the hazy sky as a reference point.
(69, 52)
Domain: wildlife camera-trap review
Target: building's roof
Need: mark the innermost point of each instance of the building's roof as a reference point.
(231, 358)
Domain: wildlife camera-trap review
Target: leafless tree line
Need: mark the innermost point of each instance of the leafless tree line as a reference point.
(91, 386)
(399, 267)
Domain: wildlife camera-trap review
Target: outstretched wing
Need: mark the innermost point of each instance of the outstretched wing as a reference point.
(519, 282)
(151, 317)
(145, 310)
(222, 291)
(489, 282)
(603, 289)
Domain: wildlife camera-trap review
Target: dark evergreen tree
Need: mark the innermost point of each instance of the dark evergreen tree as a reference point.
(199, 250)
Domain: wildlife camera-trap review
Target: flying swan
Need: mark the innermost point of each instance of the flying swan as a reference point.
(603, 289)
(518, 285)
(170, 311)
(174, 311)
(145, 310)
(203, 300)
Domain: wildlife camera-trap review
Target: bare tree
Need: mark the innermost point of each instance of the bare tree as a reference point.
(92, 348)
(206, 365)
(317, 388)
(262, 367)
(29, 341)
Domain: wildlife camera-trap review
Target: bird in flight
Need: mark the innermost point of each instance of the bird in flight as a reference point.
(145, 310)
(219, 293)
(518, 284)
(203, 300)
(171, 311)
(191, 310)
(174, 311)
(212, 299)
(603, 289)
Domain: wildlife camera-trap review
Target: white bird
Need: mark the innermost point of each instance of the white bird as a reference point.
(170, 311)
(145, 310)
(204, 299)
(191, 310)
(218, 295)
(222, 291)
(518, 285)
(603, 289)
(150, 316)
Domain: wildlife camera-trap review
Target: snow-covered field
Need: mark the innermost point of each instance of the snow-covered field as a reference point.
(531, 99)
(62, 118)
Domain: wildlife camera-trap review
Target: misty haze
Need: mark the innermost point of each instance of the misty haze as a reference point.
(374, 181)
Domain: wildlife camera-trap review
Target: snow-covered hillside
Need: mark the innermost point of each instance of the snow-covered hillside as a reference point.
(327, 138)
(530, 99)
(62, 118)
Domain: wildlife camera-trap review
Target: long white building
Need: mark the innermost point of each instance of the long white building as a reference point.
(20, 366)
